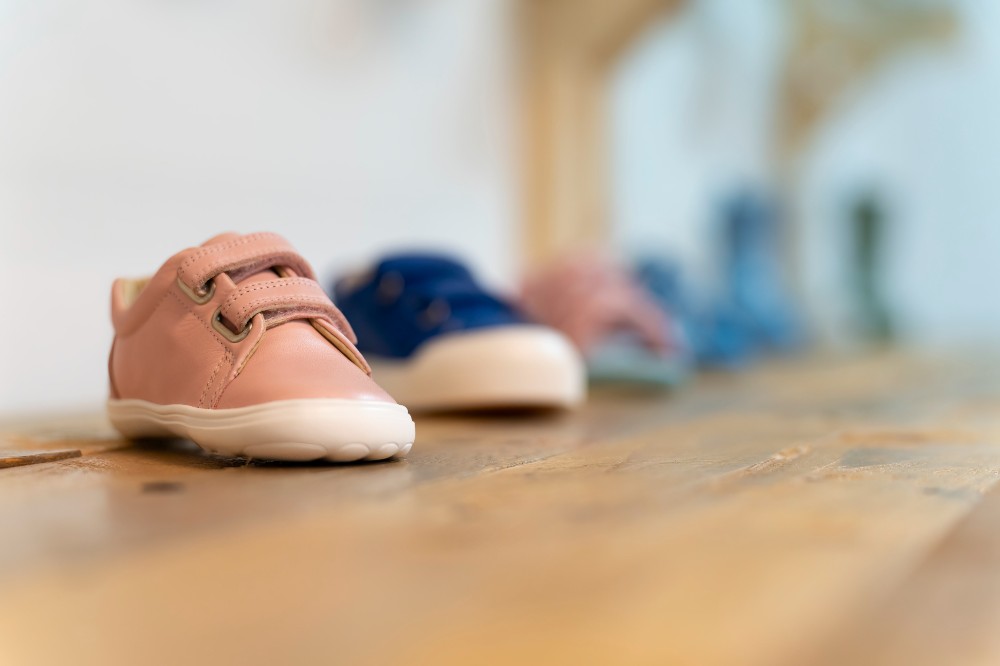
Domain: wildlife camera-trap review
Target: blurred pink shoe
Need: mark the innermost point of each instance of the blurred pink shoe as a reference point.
(234, 345)
(621, 331)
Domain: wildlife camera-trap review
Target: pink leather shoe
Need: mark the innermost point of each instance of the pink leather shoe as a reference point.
(236, 346)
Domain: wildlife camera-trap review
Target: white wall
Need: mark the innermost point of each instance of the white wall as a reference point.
(130, 129)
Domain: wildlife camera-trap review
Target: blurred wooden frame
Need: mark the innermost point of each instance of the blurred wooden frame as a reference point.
(568, 50)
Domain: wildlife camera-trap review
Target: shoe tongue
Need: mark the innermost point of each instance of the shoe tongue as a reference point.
(242, 278)
(260, 276)
(237, 276)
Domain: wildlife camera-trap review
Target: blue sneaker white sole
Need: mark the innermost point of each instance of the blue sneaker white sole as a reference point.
(516, 366)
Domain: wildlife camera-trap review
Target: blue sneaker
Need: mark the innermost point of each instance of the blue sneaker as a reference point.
(437, 340)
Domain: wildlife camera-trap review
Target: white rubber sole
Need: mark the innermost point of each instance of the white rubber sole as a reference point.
(521, 366)
(297, 430)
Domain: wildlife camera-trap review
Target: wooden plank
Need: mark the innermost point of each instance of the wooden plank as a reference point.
(19, 457)
(946, 612)
(220, 493)
(745, 521)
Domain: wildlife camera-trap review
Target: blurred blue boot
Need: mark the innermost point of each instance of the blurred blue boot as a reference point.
(753, 268)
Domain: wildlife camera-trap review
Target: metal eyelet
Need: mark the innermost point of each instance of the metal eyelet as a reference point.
(224, 330)
(200, 296)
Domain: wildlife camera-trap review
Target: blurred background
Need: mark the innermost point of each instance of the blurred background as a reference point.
(857, 136)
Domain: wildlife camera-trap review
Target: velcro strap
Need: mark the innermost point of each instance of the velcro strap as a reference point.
(247, 254)
(281, 300)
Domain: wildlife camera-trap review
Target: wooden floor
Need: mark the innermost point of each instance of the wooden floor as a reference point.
(825, 511)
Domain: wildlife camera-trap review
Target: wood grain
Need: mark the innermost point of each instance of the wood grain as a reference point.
(822, 511)
(19, 457)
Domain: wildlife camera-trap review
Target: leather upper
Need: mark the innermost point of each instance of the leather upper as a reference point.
(238, 321)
